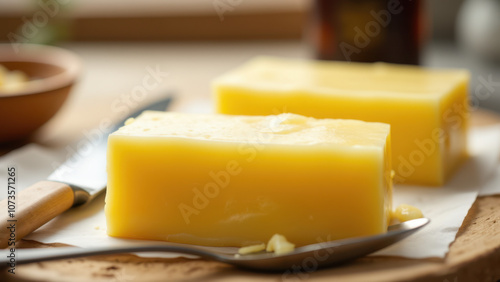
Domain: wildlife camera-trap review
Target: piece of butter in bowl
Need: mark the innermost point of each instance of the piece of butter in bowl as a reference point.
(11, 81)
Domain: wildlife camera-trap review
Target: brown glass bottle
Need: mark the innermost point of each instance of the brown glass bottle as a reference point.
(367, 30)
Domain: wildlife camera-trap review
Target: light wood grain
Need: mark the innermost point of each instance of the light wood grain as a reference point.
(33, 207)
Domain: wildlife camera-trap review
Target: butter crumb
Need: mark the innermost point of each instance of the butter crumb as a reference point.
(97, 228)
(406, 212)
(279, 244)
(251, 249)
(129, 121)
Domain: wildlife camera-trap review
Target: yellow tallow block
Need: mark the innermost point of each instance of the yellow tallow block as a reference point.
(426, 108)
(226, 180)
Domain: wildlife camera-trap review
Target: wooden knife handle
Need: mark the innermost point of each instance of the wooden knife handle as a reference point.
(32, 208)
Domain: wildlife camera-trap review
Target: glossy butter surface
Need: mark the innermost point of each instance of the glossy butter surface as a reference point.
(227, 180)
(427, 109)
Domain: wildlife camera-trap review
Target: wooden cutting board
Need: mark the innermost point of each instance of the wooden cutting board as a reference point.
(473, 256)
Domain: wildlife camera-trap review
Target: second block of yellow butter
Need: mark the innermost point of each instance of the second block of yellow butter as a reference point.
(237, 180)
(427, 109)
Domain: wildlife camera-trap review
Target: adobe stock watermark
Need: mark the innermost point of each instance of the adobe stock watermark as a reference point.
(455, 117)
(46, 10)
(122, 106)
(223, 6)
(302, 271)
(363, 37)
(219, 180)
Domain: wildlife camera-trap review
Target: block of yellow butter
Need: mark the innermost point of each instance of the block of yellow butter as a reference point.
(226, 180)
(427, 109)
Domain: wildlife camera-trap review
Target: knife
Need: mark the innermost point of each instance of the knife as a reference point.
(77, 181)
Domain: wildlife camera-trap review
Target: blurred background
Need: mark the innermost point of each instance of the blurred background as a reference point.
(188, 43)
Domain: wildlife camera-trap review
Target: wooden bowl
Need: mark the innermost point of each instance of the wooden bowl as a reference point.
(52, 72)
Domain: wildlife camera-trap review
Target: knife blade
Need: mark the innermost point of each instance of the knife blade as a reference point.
(77, 181)
(75, 171)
